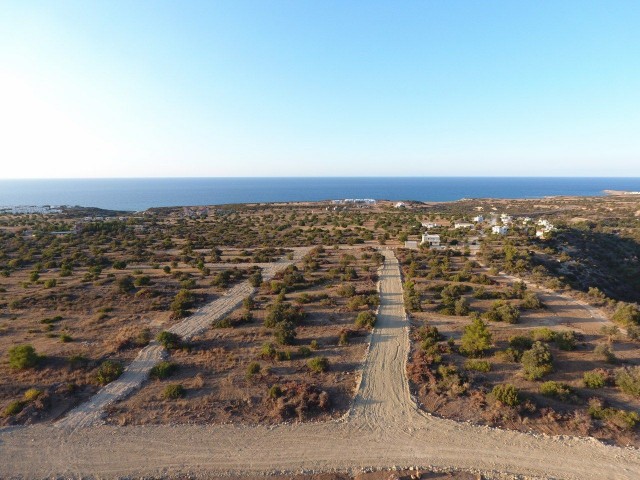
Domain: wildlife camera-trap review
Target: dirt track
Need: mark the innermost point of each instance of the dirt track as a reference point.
(383, 429)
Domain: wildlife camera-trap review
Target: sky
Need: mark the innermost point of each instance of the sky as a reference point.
(319, 88)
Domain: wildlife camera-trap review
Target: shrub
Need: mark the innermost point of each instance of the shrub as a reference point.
(163, 370)
(628, 380)
(530, 301)
(142, 281)
(318, 364)
(478, 365)
(314, 345)
(275, 391)
(622, 419)
(461, 307)
(502, 311)
(267, 351)
(285, 333)
(169, 340)
(125, 284)
(520, 342)
(558, 390)
(566, 340)
(66, 338)
(13, 408)
(108, 372)
(174, 391)
(537, 361)
(283, 355)
(181, 303)
(593, 379)
(476, 339)
(283, 312)
(23, 356)
(255, 279)
(542, 334)
(50, 283)
(32, 394)
(626, 314)
(304, 352)
(253, 369)
(346, 290)
(506, 394)
(605, 352)
(366, 319)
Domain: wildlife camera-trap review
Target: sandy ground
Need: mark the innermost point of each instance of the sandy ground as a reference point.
(383, 429)
(137, 371)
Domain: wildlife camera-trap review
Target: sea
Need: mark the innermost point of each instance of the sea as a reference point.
(136, 194)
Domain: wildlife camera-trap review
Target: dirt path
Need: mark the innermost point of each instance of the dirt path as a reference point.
(137, 372)
(383, 429)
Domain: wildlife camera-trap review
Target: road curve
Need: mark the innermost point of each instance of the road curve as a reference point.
(384, 428)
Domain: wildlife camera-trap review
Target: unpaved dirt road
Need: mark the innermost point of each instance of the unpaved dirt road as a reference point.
(383, 429)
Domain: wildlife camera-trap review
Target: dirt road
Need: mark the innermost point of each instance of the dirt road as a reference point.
(383, 429)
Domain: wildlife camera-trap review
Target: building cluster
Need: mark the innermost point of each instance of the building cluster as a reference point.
(29, 209)
(543, 228)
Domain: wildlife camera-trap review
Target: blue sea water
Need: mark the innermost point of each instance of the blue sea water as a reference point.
(142, 193)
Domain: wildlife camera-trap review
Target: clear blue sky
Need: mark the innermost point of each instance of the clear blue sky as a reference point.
(331, 88)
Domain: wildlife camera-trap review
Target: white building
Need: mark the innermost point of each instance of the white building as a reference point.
(400, 205)
(429, 225)
(432, 239)
(478, 219)
(499, 229)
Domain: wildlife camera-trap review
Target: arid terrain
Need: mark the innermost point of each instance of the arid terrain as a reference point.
(240, 340)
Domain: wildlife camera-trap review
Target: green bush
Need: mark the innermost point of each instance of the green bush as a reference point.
(108, 372)
(314, 345)
(566, 340)
(318, 364)
(174, 391)
(521, 342)
(169, 340)
(502, 311)
(476, 339)
(593, 379)
(22, 357)
(558, 390)
(628, 380)
(285, 333)
(163, 370)
(50, 283)
(537, 361)
(366, 319)
(506, 394)
(268, 351)
(627, 314)
(66, 338)
(530, 301)
(13, 408)
(542, 334)
(478, 365)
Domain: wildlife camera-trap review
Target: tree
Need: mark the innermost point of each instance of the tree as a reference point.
(476, 339)
(461, 307)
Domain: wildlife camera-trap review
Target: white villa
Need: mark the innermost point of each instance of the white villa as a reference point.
(432, 239)
(499, 229)
(478, 219)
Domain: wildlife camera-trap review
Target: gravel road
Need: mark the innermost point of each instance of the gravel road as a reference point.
(383, 429)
